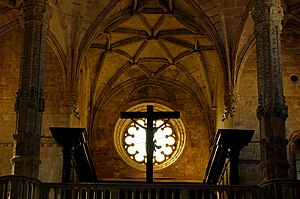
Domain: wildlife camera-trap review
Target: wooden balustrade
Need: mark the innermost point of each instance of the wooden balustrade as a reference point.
(14, 187)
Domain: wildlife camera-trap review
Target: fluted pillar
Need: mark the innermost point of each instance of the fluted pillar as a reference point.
(29, 104)
(271, 110)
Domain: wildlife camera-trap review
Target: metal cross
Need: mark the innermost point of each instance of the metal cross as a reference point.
(150, 115)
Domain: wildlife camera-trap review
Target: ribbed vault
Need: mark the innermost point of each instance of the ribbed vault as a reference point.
(155, 42)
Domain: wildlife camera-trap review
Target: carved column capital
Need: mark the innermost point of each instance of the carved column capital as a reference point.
(34, 9)
(267, 12)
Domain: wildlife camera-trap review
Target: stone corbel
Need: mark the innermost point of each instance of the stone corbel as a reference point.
(71, 103)
(231, 101)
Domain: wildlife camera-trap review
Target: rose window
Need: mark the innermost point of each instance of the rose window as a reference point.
(164, 141)
(168, 139)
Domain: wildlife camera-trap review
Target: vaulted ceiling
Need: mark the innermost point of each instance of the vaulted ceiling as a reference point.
(152, 42)
(194, 44)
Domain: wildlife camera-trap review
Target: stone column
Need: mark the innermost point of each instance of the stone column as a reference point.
(271, 110)
(30, 97)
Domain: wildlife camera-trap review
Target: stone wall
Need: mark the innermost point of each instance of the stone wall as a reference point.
(291, 67)
(10, 56)
(291, 73)
(190, 166)
(55, 115)
(245, 118)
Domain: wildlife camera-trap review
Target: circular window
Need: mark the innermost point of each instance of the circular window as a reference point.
(130, 139)
(164, 141)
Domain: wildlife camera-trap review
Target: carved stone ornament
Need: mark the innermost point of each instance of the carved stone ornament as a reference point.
(271, 14)
(268, 16)
(71, 100)
(271, 110)
(271, 149)
(260, 111)
(34, 10)
(30, 100)
(231, 102)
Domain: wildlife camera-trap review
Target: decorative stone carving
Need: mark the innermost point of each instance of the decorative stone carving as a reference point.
(231, 101)
(260, 111)
(267, 17)
(71, 102)
(30, 104)
(271, 110)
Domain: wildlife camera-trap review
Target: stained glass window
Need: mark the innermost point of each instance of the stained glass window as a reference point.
(164, 141)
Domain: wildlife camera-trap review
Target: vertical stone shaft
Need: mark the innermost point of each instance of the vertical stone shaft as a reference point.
(30, 97)
(271, 110)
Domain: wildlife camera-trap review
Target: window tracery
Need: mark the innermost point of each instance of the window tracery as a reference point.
(130, 138)
(164, 141)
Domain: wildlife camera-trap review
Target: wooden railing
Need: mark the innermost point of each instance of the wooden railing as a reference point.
(13, 187)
